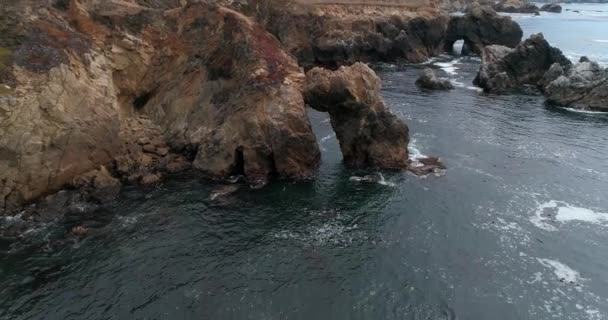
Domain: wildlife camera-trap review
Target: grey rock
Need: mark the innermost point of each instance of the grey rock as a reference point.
(429, 80)
(504, 70)
(584, 86)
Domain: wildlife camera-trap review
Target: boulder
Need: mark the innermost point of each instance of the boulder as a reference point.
(584, 86)
(429, 80)
(516, 6)
(369, 134)
(551, 7)
(504, 69)
(481, 26)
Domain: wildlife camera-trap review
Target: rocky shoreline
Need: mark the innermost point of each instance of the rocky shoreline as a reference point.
(534, 65)
(97, 94)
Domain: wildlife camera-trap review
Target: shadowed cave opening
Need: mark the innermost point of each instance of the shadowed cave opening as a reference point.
(140, 101)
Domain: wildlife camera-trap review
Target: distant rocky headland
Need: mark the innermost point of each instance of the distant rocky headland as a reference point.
(95, 94)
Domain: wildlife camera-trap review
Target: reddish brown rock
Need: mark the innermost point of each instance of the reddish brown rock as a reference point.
(369, 134)
(92, 82)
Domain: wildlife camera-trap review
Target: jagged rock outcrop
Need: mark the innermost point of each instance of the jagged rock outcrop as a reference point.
(320, 38)
(429, 80)
(516, 6)
(142, 91)
(584, 86)
(481, 26)
(504, 69)
(369, 134)
(551, 7)
(328, 38)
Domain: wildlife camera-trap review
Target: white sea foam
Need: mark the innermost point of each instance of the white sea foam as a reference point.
(600, 40)
(449, 67)
(415, 154)
(462, 85)
(337, 231)
(327, 137)
(585, 111)
(562, 212)
(373, 178)
(562, 271)
(458, 83)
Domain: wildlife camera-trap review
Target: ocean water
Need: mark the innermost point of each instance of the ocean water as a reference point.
(516, 228)
(582, 33)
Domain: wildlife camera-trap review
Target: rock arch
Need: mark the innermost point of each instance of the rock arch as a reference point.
(369, 134)
(481, 26)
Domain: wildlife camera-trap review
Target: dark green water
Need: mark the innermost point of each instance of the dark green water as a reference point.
(517, 228)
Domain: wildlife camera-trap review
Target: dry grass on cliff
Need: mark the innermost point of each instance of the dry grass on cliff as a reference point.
(4, 55)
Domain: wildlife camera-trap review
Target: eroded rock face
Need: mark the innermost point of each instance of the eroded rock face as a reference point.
(504, 69)
(429, 80)
(334, 40)
(142, 91)
(584, 86)
(551, 7)
(481, 26)
(369, 135)
(516, 6)
(330, 39)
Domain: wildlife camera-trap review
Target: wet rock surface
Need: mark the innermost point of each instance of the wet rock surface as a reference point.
(429, 80)
(369, 134)
(504, 69)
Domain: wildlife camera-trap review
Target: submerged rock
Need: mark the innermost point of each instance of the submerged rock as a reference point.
(504, 69)
(584, 86)
(223, 191)
(551, 7)
(429, 80)
(425, 166)
(369, 134)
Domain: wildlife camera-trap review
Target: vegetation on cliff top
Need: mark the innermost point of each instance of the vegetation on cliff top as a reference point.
(5, 55)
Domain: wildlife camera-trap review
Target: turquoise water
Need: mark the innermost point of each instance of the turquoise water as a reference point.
(516, 228)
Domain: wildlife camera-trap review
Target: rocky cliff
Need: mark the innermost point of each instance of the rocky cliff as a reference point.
(97, 93)
(137, 88)
(331, 37)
